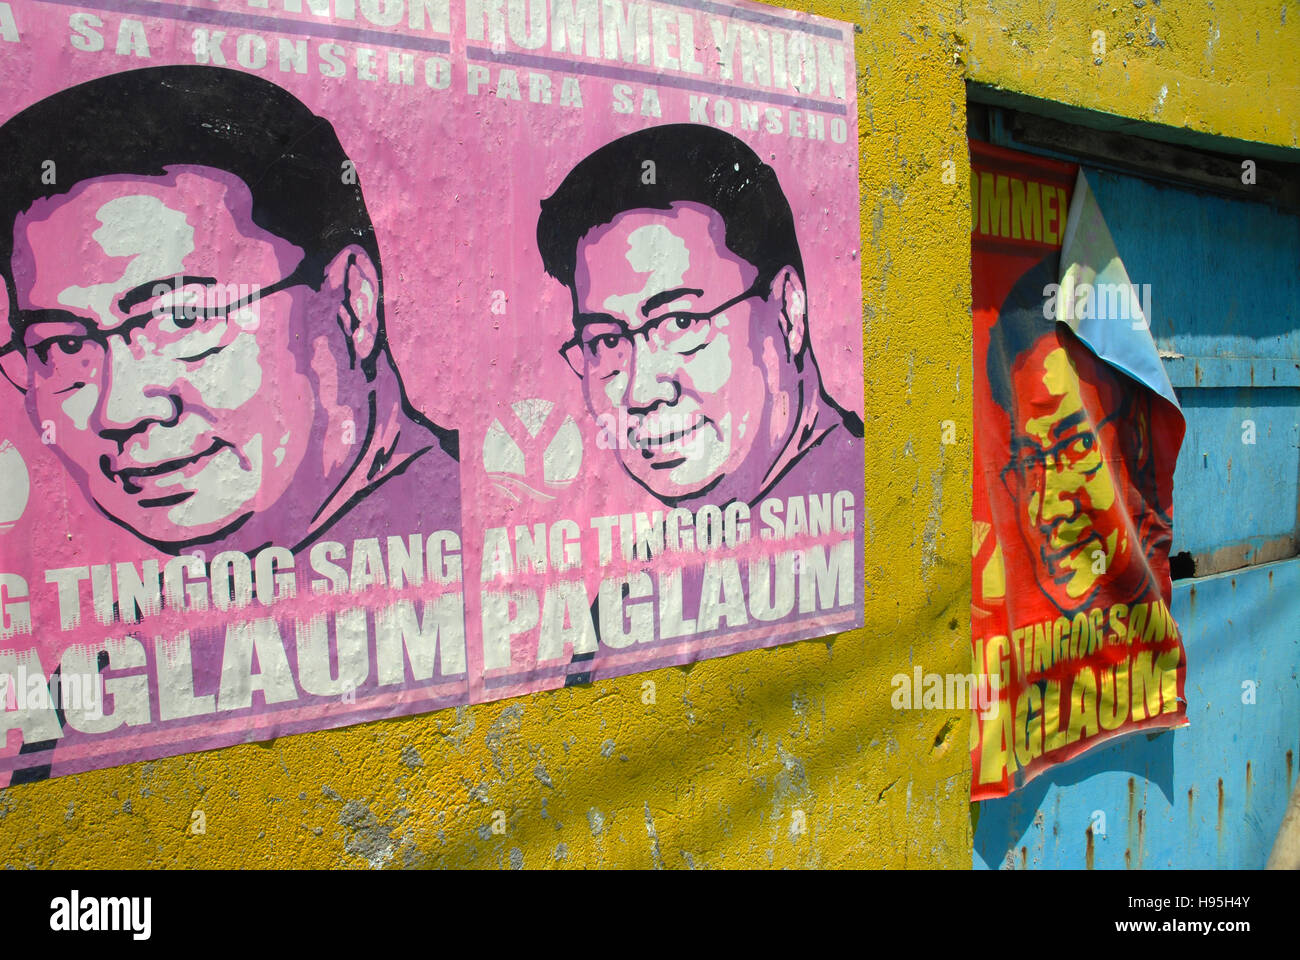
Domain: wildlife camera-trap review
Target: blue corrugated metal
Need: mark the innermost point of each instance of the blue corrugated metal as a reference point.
(1208, 795)
(1228, 492)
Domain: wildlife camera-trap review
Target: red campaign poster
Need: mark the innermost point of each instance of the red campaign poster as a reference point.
(1073, 493)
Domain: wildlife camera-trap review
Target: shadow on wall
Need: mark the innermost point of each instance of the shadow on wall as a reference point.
(1004, 827)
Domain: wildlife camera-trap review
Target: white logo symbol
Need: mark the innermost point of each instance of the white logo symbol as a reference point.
(532, 461)
(15, 486)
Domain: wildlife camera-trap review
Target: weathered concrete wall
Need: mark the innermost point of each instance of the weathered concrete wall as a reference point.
(714, 771)
(1228, 69)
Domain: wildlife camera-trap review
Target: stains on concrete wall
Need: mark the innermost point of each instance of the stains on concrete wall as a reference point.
(1220, 68)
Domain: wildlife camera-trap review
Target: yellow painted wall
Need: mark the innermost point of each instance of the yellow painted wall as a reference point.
(712, 773)
(1224, 68)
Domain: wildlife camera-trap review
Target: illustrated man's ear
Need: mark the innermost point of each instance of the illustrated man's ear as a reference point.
(12, 363)
(788, 290)
(352, 279)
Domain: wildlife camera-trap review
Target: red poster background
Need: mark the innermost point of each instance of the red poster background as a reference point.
(1072, 507)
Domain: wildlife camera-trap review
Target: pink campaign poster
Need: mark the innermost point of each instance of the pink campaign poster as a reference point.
(367, 357)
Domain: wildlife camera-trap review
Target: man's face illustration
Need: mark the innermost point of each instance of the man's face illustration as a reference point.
(1069, 507)
(701, 397)
(174, 353)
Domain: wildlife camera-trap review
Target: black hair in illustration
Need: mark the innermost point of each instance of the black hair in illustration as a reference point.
(142, 121)
(1019, 325)
(692, 163)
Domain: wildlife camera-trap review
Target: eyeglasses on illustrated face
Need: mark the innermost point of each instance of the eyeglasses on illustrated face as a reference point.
(1078, 452)
(178, 319)
(604, 346)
